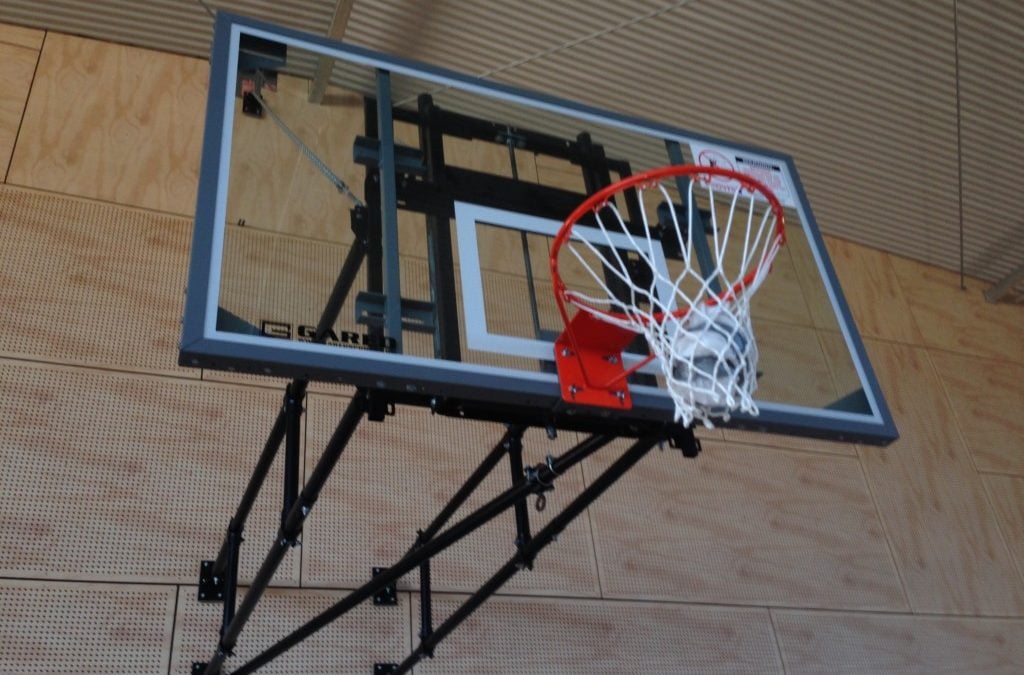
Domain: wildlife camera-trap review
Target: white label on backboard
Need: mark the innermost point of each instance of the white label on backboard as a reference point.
(770, 171)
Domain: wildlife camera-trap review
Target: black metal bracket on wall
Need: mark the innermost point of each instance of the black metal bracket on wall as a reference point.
(436, 537)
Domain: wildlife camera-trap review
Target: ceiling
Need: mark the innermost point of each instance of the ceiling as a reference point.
(904, 118)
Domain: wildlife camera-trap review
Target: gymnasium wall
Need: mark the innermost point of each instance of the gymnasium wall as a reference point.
(119, 470)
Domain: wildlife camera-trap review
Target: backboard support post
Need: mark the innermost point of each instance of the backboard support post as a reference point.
(389, 212)
(441, 264)
(291, 528)
(539, 479)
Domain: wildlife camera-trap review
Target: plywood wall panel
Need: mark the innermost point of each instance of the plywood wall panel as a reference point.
(17, 65)
(793, 365)
(396, 476)
(48, 627)
(353, 644)
(987, 398)
(873, 292)
(534, 635)
(274, 186)
(815, 296)
(21, 36)
(951, 555)
(960, 320)
(1007, 495)
(774, 440)
(109, 476)
(115, 123)
(743, 524)
(830, 642)
(90, 283)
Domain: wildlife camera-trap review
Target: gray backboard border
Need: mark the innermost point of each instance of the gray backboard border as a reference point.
(204, 346)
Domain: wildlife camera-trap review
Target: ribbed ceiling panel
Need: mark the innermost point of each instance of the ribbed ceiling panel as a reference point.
(992, 115)
(862, 94)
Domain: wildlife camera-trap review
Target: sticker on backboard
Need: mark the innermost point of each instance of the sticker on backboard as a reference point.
(770, 171)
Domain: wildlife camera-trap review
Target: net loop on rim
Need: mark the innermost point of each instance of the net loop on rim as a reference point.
(692, 307)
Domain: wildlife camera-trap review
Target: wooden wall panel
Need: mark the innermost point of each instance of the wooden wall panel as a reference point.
(987, 398)
(115, 123)
(742, 525)
(831, 642)
(398, 474)
(91, 283)
(50, 627)
(353, 644)
(814, 294)
(781, 298)
(773, 440)
(1007, 495)
(273, 186)
(21, 36)
(17, 65)
(579, 637)
(950, 553)
(873, 292)
(793, 365)
(959, 321)
(110, 476)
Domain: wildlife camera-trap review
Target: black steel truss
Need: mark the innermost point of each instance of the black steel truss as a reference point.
(429, 542)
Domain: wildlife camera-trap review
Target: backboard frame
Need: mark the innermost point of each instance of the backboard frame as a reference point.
(461, 388)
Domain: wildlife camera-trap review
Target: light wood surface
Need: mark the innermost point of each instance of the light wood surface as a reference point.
(90, 283)
(840, 363)
(873, 292)
(123, 477)
(579, 637)
(353, 644)
(115, 123)
(273, 186)
(951, 555)
(986, 398)
(812, 286)
(398, 474)
(960, 320)
(793, 365)
(743, 524)
(781, 298)
(16, 67)
(831, 642)
(773, 440)
(21, 36)
(489, 157)
(560, 174)
(48, 627)
(1007, 495)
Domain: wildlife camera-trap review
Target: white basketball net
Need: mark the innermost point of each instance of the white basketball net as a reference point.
(701, 332)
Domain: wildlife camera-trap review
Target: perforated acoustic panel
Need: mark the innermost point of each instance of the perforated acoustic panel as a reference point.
(84, 628)
(91, 283)
(353, 644)
(396, 476)
(111, 476)
(581, 637)
(744, 524)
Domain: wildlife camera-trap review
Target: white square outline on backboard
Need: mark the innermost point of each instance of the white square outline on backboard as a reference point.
(478, 336)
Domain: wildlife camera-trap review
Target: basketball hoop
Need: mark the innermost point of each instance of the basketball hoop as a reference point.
(696, 318)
